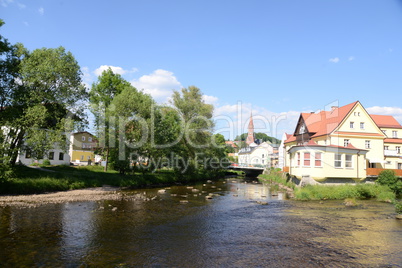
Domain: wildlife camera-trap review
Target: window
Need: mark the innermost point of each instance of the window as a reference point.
(317, 160)
(394, 134)
(361, 125)
(345, 143)
(61, 156)
(89, 157)
(399, 165)
(83, 138)
(306, 159)
(82, 157)
(51, 155)
(262, 156)
(386, 147)
(348, 160)
(298, 159)
(338, 161)
(90, 139)
(398, 149)
(367, 143)
(352, 124)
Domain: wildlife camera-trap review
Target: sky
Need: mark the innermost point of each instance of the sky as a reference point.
(269, 58)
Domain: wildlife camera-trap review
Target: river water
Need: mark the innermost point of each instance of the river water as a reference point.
(182, 227)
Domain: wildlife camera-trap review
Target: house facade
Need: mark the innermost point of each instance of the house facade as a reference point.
(55, 156)
(256, 155)
(82, 148)
(346, 142)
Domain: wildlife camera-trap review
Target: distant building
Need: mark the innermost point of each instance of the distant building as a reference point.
(250, 134)
(56, 156)
(256, 155)
(82, 148)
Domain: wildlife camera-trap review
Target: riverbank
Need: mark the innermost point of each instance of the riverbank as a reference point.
(329, 192)
(26, 180)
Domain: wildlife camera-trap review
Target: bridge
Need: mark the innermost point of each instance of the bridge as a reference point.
(250, 171)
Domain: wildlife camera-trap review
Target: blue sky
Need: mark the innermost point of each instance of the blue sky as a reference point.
(276, 58)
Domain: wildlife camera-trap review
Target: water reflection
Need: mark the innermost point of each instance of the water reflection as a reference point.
(203, 225)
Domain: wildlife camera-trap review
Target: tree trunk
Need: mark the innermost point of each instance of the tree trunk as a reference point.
(107, 159)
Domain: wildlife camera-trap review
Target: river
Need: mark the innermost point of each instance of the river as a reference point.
(216, 224)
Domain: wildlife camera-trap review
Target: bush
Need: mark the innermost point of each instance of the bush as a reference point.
(46, 162)
(388, 178)
(398, 207)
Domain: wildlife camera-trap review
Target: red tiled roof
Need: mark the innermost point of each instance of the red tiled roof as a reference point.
(325, 122)
(387, 121)
(393, 141)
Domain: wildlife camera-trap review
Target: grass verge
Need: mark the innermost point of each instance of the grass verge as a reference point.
(359, 191)
(26, 180)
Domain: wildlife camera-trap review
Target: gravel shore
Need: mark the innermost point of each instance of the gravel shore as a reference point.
(90, 194)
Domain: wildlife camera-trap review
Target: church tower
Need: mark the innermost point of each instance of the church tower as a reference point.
(250, 135)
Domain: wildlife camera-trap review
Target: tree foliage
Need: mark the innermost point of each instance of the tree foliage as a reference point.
(42, 97)
(388, 177)
(259, 135)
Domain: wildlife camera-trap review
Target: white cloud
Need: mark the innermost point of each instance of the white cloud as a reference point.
(21, 6)
(41, 11)
(159, 84)
(394, 111)
(115, 69)
(87, 77)
(351, 58)
(334, 60)
(210, 99)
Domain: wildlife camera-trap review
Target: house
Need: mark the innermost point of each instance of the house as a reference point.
(56, 156)
(82, 148)
(256, 155)
(344, 143)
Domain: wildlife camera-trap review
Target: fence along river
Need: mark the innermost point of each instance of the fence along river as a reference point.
(226, 223)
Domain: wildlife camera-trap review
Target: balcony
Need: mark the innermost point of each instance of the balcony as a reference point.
(391, 153)
(374, 172)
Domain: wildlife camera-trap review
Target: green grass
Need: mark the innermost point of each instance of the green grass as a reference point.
(27, 180)
(340, 192)
(276, 177)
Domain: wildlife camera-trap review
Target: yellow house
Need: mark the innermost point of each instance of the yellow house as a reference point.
(344, 143)
(82, 147)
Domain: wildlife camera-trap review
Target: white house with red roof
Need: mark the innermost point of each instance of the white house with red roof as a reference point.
(346, 142)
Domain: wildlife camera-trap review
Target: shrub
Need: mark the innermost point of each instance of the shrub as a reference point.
(388, 177)
(398, 207)
(46, 162)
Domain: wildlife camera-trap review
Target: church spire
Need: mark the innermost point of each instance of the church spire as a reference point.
(250, 135)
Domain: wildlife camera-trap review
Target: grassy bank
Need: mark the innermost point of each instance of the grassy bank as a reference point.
(341, 192)
(338, 192)
(26, 180)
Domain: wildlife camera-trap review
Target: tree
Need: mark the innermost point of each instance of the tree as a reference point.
(44, 100)
(101, 96)
(129, 116)
(196, 116)
(259, 135)
(388, 177)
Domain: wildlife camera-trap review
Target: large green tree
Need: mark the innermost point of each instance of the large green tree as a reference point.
(43, 101)
(103, 91)
(196, 116)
